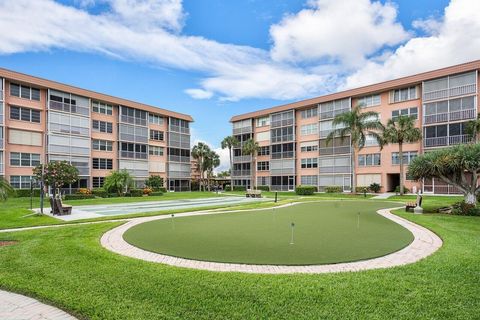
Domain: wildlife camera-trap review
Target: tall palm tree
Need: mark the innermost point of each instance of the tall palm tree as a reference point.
(212, 160)
(356, 125)
(230, 142)
(473, 128)
(401, 130)
(199, 153)
(251, 147)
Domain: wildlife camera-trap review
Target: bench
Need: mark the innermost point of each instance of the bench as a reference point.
(410, 206)
(253, 193)
(59, 208)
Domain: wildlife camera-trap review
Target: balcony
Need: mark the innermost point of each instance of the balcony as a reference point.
(452, 92)
(451, 116)
(283, 155)
(242, 173)
(179, 129)
(70, 108)
(242, 130)
(247, 158)
(281, 123)
(331, 114)
(179, 174)
(133, 155)
(446, 141)
(179, 159)
(334, 150)
(133, 120)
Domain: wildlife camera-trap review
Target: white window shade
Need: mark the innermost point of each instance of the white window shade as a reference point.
(309, 144)
(25, 137)
(263, 136)
(364, 180)
(155, 166)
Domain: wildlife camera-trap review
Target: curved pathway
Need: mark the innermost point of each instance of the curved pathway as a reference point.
(424, 244)
(17, 307)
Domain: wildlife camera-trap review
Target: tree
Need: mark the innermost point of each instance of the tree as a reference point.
(211, 161)
(401, 130)
(6, 189)
(356, 125)
(251, 147)
(230, 142)
(199, 152)
(118, 182)
(458, 165)
(154, 182)
(56, 174)
(473, 128)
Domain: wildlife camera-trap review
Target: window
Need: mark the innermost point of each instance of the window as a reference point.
(133, 150)
(24, 114)
(309, 148)
(24, 159)
(370, 140)
(263, 121)
(281, 134)
(156, 135)
(408, 156)
(24, 92)
(102, 126)
(264, 151)
(309, 163)
(22, 182)
(309, 180)
(102, 145)
(155, 151)
(372, 159)
(404, 94)
(285, 150)
(263, 166)
(97, 182)
(309, 129)
(155, 119)
(309, 113)
(103, 164)
(100, 107)
(412, 112)
(369, 101)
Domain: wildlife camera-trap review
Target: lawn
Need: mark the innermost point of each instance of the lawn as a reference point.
(68, 268)
(324, 232)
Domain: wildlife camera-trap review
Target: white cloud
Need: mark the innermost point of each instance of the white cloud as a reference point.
(223, 153)
(454, 39)
(337, 31)
(199, 93)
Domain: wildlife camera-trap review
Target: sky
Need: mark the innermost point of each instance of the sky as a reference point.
(214, 59)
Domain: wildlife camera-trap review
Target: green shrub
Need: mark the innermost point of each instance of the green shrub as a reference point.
(195, 185)
(162, 190)
(154, 182)
(100, 193)
(113, 195)
(239, 188)
(20, 193)
(305, 190)
(136, 193)
(156, 193)
(465, 209)
(263, 188)
(405, 189)
(362, 189)
(79, 196)
(375, 187)
(333, 189)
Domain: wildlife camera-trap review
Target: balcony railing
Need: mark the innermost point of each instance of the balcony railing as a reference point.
(462, 90)
(133, 120)
(445, 141)
(242, 130)
(452, 116)
(281, 123)
(133, 155)
(334, 150)
(242, 173)
(65, 107)
(179, 174)
(331, 114)
(179, 159)
(179, 129)
(283, 155)
(242, 159)
(451, 92)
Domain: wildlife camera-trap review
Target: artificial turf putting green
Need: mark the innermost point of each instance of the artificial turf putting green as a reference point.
(324, 232)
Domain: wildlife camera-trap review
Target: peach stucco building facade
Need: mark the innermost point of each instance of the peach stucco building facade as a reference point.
(43, 120)
(292, 136)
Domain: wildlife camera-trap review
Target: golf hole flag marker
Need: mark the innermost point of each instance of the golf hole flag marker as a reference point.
(292, 225)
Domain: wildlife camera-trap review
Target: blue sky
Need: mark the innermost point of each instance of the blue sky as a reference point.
(214, 59)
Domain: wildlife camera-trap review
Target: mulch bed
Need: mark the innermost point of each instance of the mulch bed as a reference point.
(4, 243)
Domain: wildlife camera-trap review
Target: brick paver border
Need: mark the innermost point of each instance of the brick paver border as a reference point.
(424, 244)
(17, 307)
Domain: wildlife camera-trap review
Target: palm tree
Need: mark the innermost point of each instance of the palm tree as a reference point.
(212, 160)
(401, 130)
(230, 142)
(251, 147)
(473, 128)
(356, 125)
(118, 181)
(199, 152)
(6, 189)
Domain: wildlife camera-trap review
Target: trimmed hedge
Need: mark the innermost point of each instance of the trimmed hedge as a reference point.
(263, 188)
(156, 193)
(333, 189)
(362, 189)
(305, 190)
(100, 193)
(21, 193)
(239, 188)
(136, 193)
(162, 190)
(79, 196)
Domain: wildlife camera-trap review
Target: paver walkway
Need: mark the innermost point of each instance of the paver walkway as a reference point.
(17, 307)
(424, 244)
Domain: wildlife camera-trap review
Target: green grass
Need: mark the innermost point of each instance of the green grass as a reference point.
(430, 204)
(325, 232)
(68, 268)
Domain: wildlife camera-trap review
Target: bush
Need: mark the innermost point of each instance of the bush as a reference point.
(375, 187)
(136, 193)
(162, 189)
(465, 209)
(156, 193)
(147, 191)
(79, 196)
(239, 188)
(154, 182)
(195, 185)
(361, 189)
(84, 191)
(100, 193)
(305, 190)
(20, 193)
(113, 195)
(405, 189)
(263, 188)
(333, 189)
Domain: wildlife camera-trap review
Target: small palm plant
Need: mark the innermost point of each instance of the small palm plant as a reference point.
(356, 125)
(118, 182)
(251, 147)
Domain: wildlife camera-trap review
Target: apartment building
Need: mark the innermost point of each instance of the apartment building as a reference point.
(43, 120)
(293, 144)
